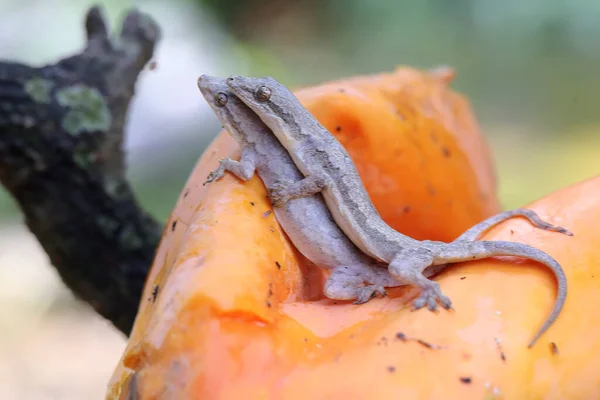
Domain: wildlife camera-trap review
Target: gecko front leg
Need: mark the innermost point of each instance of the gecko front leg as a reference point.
(243, 169)
(281, 192)
(358, 282)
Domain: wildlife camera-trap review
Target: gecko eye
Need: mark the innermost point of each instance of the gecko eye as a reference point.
(221, 99)
(263, 94)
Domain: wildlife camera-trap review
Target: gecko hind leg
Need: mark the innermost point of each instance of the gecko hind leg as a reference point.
(408, 266)
(364, 282)
(366, 293)
(359, 282)
(431, 294)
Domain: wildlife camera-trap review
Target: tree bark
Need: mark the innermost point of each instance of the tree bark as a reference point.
(61, 159)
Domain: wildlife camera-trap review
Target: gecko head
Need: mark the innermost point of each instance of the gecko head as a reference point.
(266, 96)
(230, 110)
(215, 91)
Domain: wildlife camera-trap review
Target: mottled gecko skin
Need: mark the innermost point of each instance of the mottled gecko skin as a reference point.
(306, 220)
(329, 170)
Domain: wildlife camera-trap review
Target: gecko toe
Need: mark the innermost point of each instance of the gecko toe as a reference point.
(431, 304)
(430, 296)
(445, 301)
(209, 179)
(215, 175)
(379, 290)
(366, 293)
(419, 303)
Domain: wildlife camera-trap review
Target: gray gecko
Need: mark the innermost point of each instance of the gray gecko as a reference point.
(307, 221)
(329, 170)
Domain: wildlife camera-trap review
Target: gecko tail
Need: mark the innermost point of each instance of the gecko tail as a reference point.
(484, 249)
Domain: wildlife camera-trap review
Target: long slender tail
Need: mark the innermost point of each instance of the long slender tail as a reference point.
(483, 249)
(477, 230)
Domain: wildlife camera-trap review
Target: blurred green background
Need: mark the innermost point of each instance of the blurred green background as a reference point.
(529, 68)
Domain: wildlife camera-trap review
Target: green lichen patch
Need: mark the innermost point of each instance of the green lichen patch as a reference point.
(107, 225)
(83, 158)
(129, 238)
(114, 187)
(39, 89)
(88, 110)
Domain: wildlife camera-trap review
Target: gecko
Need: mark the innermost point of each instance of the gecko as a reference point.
(307, 220)
(329, 170)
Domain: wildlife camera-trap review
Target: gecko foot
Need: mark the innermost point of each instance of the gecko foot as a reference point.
(216, 174)
(366, 293)
(277, 194)
(430, 297)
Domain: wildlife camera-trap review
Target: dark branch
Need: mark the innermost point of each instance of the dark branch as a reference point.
(61, 158)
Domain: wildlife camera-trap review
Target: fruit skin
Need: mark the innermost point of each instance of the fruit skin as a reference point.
(231, 289)
(231, 323)
(417, 148)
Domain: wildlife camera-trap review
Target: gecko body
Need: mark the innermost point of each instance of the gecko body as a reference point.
(306, 220)
(329, 170)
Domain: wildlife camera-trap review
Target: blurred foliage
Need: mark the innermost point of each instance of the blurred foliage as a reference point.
(528, 67)
(159, 194)
(542, 53)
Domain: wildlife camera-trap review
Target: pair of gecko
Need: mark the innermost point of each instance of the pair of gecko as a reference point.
(322, 205)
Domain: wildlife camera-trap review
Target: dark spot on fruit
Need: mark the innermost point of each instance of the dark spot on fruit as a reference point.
(154, 293)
